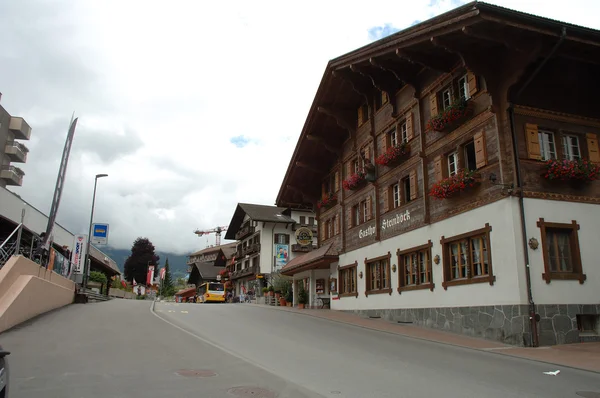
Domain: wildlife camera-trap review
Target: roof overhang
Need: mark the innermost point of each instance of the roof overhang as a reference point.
(442, 44)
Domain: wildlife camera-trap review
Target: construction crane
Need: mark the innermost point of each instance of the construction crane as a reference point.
(217, 231)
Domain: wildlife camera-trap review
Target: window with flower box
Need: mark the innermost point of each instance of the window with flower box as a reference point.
(472, 155)
(560, 248)
(378, 278)
(330, 227)
(542, 144)
(401, 192)
(361, 212)
(414, 268)
(467, 258)
(465, 88)
(571, 149)
(347, 280)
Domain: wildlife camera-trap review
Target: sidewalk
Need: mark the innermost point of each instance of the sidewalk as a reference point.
(584, 356)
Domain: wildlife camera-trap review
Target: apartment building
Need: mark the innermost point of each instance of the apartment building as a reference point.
(462, 194)
(267, 238)
(13, 129)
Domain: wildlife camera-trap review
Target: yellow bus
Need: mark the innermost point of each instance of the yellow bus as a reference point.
(211, 292)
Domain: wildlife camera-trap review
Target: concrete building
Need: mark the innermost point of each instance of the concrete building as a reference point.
(13, 129)
(466, 180)
(267, 238)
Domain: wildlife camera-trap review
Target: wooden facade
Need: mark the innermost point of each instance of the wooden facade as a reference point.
(388, 92)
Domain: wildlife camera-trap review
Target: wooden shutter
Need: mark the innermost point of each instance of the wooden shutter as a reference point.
(369, 209)
(413, 184)
(368, 152)
(592, 144)
(337, 224)
(384, 98)
(433, 104)
(480, 149)
(386, 199)
(286, 238)
(323, 190)
(437, 166)
(384, 142)
(322, 230)
(472, 82)
(533, 141)
(409, 126)
(336, 181)
(348, 169)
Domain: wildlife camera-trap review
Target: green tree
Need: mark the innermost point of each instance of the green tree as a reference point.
(167, 289)
(136, 265)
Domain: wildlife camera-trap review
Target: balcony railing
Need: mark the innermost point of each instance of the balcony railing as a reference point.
(253, 248)
(245, 231)
(303, 249)
(312, 227)
(12, 175)
(16, 151)
(245, 272)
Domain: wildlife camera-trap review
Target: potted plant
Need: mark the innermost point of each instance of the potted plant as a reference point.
(265, 290)
(451, 117)
(450, 186)
(277, 294)
(393, 155)
(576, 171)
(302, 297)
(327, 201)
(289, 297)
(271, 289)
(355, 181)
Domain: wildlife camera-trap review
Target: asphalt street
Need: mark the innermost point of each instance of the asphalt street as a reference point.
(119, 349)
(122, 348)
(335, 359)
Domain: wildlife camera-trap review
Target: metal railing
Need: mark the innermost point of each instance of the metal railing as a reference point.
(18, 145)
(10, 246)
(14, 169)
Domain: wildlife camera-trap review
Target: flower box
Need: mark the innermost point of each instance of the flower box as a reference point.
(328, 201)
(576, 172)
(452, 117)
(355, 181)
(451, 186)
(394, 155)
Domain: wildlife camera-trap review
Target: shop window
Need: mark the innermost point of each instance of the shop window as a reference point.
(414, 268)
(378, 278)
(347, 280)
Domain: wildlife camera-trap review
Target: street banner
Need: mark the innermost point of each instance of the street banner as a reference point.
(150, 276)
(163, 271)
(78, 254)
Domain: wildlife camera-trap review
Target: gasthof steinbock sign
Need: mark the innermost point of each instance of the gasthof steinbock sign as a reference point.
(304, 236)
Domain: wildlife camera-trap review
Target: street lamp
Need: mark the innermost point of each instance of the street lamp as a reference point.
(87, 252)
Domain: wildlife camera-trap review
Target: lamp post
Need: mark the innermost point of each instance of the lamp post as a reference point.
(87, 252)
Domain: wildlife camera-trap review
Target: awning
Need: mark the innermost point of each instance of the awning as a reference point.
(316, 259)
(183, 292)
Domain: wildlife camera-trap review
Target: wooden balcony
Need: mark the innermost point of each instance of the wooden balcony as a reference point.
(244, 232)
(253, 270)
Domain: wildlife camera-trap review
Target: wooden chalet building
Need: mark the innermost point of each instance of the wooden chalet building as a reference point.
(459, 220)
(205, 265)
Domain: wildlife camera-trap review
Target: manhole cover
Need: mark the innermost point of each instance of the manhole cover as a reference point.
(254, 392)
(588, 394)
(195, 373)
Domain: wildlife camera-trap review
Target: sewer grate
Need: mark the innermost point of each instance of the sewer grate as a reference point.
(254, 392)
(588, 394)
(196, 373)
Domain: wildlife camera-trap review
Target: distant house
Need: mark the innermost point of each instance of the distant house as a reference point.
(205, 265)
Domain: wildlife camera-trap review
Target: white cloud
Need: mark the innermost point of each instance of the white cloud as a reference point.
(161, 88)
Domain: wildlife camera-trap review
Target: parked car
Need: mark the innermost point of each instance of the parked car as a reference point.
(3, 373)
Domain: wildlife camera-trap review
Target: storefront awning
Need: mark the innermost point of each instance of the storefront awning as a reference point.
(320, 258)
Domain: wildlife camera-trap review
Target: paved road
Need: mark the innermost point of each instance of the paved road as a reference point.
(338, 360)
(119, 349)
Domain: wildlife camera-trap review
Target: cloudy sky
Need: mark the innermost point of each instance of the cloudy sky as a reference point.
(189, 106)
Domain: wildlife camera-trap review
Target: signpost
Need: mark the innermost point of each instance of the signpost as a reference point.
(100, 234)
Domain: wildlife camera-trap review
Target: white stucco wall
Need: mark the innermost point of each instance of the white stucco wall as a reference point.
(36, 221)
(568, 291)
(509, 287)
(267, 246)
(313, 275)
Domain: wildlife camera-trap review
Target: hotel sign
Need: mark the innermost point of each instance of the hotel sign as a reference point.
(390, 222)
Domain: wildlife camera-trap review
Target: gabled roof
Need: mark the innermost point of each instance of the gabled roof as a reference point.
(207, 270)
(326, 254)
(264, 213)
(227, 249)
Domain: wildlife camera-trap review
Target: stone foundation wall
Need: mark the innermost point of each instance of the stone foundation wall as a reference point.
(508, 324)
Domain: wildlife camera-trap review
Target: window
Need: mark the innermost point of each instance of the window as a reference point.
(329, 228)
(378, 275)
(347, 280)
(414, 268)
(452, 163)
(381, 98)
(470, 158)
(393, 134)
(560, 247)
(311, 221)
(406, 189)
(364, 210)
(446, 98)
(571, 147)
(547, 147)
(336, 224)
(463, 88)
(396, 196)
(467, 258)
(282, 239)
(303, 220)
(357, 165)
(363, 114)
(255, 261)
(403, 132)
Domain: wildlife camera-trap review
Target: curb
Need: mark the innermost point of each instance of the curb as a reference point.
(491, 351)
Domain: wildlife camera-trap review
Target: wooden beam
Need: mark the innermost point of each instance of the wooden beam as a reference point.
(383, 80)
(309, 167)
(406, 77)
(437, 42)
(342, 120)
(436, 63)
(361, 85)
(304, 195)
(324, 144)
(503, 40)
